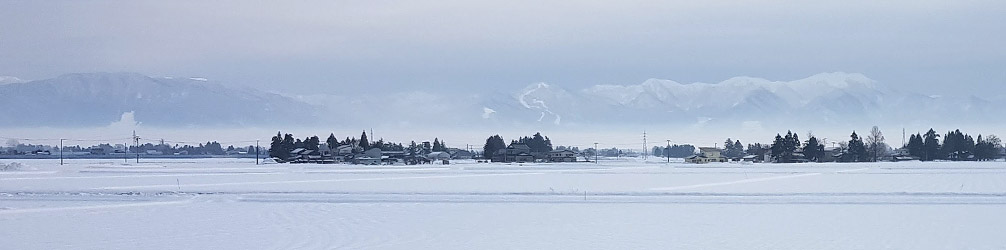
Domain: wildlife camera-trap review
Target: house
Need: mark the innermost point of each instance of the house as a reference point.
(706, 155)
(370, 157)
(364, 160)
(459, 154)
(562, 156)
(97, 150)
(295, 155)
(393, 157)
(752, 158)
(325, 150)
(510, 153)
(523, 157)
(346, 149)
(438, 156)
(831, 154)
(416, 158)
(540, 156)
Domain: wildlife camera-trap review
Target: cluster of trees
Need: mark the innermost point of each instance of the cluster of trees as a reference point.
(282, 144)
(733, 149)
(537, 143)
(956, 146)
(208, 148)
(789, 148)
(783, 148)
(674, 151)
(758, 150)
(493, 144)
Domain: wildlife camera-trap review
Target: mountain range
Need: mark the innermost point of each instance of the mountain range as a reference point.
(96, 99)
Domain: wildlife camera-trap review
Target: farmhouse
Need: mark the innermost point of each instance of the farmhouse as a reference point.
(562, 156)
(706, 155)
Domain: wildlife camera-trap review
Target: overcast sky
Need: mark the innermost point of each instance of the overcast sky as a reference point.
(340, 46)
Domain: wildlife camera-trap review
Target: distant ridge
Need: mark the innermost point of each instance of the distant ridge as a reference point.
(97, 99)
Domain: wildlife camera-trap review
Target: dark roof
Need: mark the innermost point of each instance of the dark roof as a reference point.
(519, 146)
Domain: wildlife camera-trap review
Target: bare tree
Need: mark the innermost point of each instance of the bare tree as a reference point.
(994, 140)
(875, 143)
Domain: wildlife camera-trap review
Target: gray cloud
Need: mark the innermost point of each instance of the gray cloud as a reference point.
(339, 46)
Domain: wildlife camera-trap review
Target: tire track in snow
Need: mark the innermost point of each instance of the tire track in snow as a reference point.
(725, 183)
(312, 181)
(128, 176)
(63, 209)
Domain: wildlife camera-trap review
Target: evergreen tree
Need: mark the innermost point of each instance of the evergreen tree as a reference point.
(733, 149)
(857, 149)
(332, 142)
(277, 149)
(931, 146)
(813, 150)
(493, 144)
(289, 144)
(779, 148)
(312, 143)
(784, 147)
(413, 148)
(438, 146)
(916, 147)
(364, 143)
(680, 151)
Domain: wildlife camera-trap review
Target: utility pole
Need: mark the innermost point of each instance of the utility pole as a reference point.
(256, 152)
(645, 154)
(61, 151)
(667, 151)
(136, 145)
(595, 153)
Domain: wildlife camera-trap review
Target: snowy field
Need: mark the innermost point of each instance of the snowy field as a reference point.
(618, 204)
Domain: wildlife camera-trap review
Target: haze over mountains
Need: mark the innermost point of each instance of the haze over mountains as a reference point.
(827, 99)
(98, 99)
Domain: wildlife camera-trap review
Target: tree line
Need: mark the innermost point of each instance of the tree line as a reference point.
(956, 146)
(537, 143)
(282, 144)
(674, 151)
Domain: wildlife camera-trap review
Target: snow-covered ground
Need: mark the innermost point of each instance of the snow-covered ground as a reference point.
(618, 204)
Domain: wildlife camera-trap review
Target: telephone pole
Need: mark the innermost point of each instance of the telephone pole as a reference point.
(256, 152)
(667, 151)
(645, 154)
(136, 145)
(61, 151)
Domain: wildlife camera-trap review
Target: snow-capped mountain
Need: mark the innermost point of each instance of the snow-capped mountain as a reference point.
(10, 79)
(828, 99)
(97, 99)
(821, 99)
